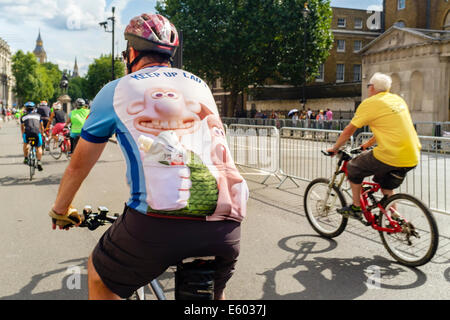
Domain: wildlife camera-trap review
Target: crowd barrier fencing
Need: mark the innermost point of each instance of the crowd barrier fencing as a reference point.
(291, 153)
(429, 181)
(424, 128)
(255, 147)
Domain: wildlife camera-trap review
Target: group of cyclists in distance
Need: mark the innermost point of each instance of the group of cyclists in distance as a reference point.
(44, 124)
(187, 197)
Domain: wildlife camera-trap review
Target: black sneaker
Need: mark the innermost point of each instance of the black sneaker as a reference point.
(351, 211)
(39, 166)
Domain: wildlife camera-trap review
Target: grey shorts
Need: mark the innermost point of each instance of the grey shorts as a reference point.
(366, 165)
(137, 249)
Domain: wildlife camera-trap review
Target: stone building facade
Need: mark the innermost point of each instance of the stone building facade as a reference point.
(338, 85)
(418, 60)
(7, 80)
(422, 14)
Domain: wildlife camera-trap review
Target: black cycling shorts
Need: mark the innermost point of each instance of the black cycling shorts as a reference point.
(366, 165)
(137, 249)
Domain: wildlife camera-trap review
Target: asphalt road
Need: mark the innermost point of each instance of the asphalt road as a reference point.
(281, 257)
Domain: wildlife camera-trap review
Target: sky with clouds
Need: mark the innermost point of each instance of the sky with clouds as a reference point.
(70, 28)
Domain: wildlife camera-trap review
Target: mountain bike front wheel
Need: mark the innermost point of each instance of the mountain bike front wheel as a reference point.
(320, 203)
(418, 241)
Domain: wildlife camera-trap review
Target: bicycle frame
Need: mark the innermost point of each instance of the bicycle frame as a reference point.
(94, 220)
(367, 191)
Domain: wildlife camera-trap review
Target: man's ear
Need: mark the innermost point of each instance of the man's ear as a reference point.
(132, 53)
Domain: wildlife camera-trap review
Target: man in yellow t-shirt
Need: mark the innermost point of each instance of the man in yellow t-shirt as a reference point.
(398, 146)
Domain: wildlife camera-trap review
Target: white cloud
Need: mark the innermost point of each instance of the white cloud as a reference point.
(69, 28)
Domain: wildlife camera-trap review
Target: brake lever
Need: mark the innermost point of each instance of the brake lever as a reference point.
(328, 154)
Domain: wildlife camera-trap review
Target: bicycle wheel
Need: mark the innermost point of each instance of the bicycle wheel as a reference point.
(323, 217)
(417, 243)
(32, 165)
(55, 149)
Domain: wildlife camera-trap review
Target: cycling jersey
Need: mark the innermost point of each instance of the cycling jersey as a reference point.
(77, 119)
(60, 116)
(44, 111)
(178, 161)
(32, 123)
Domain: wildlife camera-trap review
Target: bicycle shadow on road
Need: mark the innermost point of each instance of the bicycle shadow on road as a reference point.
(37, 181)
(321, 278)
(68, 290)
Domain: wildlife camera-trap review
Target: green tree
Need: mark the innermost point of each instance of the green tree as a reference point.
(77, 88)
(246, 42)
(99, 74)
(34, 81)
(45, 85)
(292, 33)
(231, 40)
(24, 69)
(54, 75)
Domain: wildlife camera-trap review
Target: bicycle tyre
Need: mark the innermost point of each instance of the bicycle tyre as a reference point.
(55, 151)
(32, 167)
(400, 253)
(341, 221)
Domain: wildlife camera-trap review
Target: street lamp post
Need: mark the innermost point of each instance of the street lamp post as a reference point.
(104, 24)
(305, 13)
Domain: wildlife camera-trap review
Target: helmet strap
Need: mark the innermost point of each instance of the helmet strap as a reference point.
(131, 64)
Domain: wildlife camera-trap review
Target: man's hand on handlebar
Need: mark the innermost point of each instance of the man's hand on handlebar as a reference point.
(65, 221)
(332, 152)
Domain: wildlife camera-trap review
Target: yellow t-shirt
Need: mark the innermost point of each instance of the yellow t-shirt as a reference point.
(388, 117)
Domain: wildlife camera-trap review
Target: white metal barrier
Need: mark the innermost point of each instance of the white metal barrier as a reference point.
(429, 180)
(301, 153)
(295, 153)
(255, 147)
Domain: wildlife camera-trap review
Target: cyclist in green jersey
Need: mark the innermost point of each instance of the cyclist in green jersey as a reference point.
(77, 119)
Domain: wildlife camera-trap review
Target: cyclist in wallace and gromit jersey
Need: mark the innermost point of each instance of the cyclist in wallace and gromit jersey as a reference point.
(187, 197)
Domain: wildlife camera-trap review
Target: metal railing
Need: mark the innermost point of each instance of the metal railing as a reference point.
(424, 128)
(254, 146)
(429, 180)
(295, 154)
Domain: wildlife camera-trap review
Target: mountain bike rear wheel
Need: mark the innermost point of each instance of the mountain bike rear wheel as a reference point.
(418, 241)
(321, 213)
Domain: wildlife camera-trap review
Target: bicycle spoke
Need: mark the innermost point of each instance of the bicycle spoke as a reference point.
(417, 242)
(320, 208)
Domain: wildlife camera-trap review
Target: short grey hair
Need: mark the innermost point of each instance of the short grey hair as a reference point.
(381, 82)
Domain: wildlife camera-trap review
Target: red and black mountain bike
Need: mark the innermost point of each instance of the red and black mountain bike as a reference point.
(406, 226)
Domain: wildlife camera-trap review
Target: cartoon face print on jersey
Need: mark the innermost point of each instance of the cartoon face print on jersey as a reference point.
(165, 109)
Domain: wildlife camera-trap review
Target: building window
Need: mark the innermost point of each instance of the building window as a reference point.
(357, 45)
(321, 75)
(400, 24)
(401, 4)
(340, 72)
(341, 22)
(356, 72)
(358, 23)
(341, 46)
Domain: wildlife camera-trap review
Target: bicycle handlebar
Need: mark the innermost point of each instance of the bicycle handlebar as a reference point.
(357, 150)
(94, 220)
